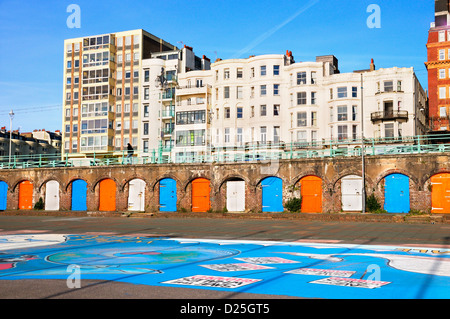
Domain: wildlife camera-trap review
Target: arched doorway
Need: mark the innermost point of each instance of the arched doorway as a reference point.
(136, 195)
(440, 193)
(107, 202)
(3, 195)
(201, 195)
(167, 195)
(235, 195)
(26, 195)
(52, 195)
(272, 195)
(311, 192)
(351, 192)
(396, 193)
(79, 195)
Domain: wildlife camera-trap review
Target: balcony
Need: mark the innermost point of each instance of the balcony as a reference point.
(167, 114)
(389, 116)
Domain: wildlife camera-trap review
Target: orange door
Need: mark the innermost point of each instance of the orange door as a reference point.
(107, 195)
(311, 191)
(440, 194)
(25, 195)
(200, 195)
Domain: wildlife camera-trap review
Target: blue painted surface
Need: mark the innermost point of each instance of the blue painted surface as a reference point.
(272, 195)
(3, 194)
(79, 191)
(396, 194)
(168, 195)
(404, 273)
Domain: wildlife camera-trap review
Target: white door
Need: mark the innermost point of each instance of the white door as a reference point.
(236, 196)
(351, 188)
(52, 195)
(136, 195)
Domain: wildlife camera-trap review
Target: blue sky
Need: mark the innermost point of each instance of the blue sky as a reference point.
(32, 38)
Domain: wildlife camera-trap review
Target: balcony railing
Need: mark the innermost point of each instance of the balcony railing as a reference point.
(389, 116)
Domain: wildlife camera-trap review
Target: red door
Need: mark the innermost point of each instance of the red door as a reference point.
(107, 195)
(311, 191)
(26, 195)
(200, 195)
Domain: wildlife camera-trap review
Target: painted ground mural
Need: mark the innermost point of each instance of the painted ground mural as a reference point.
(317, 270)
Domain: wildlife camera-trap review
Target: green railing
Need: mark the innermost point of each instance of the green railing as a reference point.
(249, 152)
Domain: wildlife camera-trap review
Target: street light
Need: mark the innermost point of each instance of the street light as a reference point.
(11, 116)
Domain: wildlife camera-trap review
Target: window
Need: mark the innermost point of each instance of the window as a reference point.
(128, 57)
(301, 78)
(227, 113)
(240, 112)
(276, 89)
(263, 131)
(342, 92)
(441, 55)
(263, 90)
(313, 118)
(313, 78)
(342, 113)
(146, 93)
(389, 130)
(252, 109)
(227, 135)
(252, 72)
(354, 132)
(342, 132)
(331, 115)
(313, 98)
(69, 64)
(146, 114)
(442, 92)
(354, 112)
(239, 73)
(441, 36)
(354, 91)
(276, 70)
(239, 94)
(145, 128)
(442, 73)
(276, 110)
(301, 98)
(302, 137)
(443, 111)
(399, 86)
(276, 134)
(226, 92)
(263, 110)
(263, 70)
(226, 74)
(331, 94)
(239, 135)
(301, 119)
(388, 86)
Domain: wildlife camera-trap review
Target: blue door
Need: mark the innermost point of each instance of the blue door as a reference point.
(168, 195)
(79, 191)
(3, 192)
(272, 195)
(396, 194)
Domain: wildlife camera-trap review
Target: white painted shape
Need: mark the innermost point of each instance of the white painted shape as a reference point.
(136, 196)
(52, 195)
(8, 242)
(236, 196)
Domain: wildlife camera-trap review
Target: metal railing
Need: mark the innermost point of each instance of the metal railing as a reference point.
(245, 152)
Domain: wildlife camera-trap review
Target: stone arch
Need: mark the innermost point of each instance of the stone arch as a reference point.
(66, 187)
(20, 180)
(231, 177)
(161, 177)
(129, 179)
(52, 178)
(98, 180)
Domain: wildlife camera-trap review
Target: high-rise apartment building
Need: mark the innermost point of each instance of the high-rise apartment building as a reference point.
(102, 84)
(438, 66)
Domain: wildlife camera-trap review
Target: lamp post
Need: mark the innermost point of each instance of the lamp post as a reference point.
(362, 149)
(11, 116)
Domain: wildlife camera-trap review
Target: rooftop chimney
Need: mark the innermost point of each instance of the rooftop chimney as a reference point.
(372, 65)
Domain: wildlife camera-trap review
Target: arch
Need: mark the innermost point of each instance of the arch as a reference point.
(351, 193)
(160, 178)
(232, 177)
(396, 193)
(100, 179)
(136, 194)
(131, 178)
(16, 184)
(440, 188)
(107, 195)
(193, 178)
(51, 178)
(52, 195)
(272, 194)
(201, 195)
(79, 195)
(3, 195)
(25, 195)
(384, 174)
(311, 193)
(167, 195)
